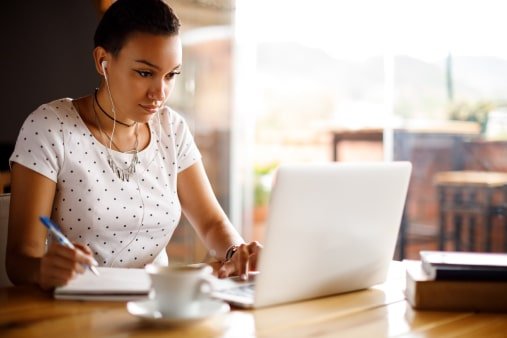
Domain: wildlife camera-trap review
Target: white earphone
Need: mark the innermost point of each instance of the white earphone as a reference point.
(104, 65)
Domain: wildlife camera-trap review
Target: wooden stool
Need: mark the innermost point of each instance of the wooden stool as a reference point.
(468, 195)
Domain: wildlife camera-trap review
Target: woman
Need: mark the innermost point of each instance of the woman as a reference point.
(116, 168)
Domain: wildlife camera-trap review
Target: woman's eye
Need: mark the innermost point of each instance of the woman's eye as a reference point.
(143, 73)
(171, 75)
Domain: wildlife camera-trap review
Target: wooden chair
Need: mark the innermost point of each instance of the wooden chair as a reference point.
(466, 197)
(4, 220)
(5, 181)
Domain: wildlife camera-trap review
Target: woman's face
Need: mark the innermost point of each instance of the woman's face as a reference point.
(141, 77)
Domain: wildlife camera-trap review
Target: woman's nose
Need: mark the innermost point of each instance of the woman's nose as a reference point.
(157, 92)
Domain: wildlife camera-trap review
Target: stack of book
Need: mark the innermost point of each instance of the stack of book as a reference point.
(457, 281)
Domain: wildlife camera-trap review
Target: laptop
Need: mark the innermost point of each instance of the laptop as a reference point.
(331, 228)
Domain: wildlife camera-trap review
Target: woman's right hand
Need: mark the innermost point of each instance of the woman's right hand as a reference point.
(61, 264)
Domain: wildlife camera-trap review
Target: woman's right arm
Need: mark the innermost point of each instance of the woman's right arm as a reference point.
(28, 262)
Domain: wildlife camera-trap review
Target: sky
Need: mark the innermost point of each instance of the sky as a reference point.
(355, 29)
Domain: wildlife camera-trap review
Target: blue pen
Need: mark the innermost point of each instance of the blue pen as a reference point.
(53, 228)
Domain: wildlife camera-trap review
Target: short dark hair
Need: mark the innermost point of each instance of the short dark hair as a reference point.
(126, 17)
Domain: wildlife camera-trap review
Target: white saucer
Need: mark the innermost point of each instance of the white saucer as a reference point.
(147, 311)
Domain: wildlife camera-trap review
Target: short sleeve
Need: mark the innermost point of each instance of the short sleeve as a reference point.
(187, 152)
(40, 145)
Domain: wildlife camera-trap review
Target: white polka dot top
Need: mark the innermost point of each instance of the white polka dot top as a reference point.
(125, 224)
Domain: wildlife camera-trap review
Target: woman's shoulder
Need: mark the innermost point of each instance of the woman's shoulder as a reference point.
(169, 115)
(172, 119)
(61, 109)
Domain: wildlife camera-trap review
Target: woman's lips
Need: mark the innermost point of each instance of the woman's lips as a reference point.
(150, 109)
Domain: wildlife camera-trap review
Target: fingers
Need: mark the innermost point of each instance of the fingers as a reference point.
(243, 256)
(226, 269)
(88, 254)
(217, 265)
(83, 248)
(56, 277)
(61, 264)
(244, 260)
(255, 249)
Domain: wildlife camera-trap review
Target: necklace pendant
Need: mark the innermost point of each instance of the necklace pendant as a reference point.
(123, 173)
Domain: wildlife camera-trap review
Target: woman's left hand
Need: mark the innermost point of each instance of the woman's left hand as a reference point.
(242, 262)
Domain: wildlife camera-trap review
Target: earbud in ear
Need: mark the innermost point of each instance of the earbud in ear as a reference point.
(104, 65)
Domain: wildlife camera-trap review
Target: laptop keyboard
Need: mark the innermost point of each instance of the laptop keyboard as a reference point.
(242, 291)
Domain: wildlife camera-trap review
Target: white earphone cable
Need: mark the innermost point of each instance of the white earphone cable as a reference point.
(112, 108)
(136, 180)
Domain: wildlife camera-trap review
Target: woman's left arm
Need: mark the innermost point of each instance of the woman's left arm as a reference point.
(200, 206)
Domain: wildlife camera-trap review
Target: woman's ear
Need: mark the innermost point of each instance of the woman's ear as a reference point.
(100, 56)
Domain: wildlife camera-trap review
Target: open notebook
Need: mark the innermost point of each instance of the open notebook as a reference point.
(112, 284)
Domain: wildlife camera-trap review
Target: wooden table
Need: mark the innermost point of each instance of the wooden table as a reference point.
(377, 312)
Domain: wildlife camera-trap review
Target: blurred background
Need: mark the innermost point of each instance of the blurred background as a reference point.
(266, 82)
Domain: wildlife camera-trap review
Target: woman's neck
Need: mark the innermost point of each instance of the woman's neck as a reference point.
(104, 105)
(122, 139)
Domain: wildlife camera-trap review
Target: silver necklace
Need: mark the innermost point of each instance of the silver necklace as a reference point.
(122, 173)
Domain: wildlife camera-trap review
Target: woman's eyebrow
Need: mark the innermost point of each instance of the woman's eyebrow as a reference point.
(153, 65)
(148, 63)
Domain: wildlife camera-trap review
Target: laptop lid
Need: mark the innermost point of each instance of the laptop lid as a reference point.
(331, 228)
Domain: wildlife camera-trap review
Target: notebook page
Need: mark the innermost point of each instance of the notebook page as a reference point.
(111, 281)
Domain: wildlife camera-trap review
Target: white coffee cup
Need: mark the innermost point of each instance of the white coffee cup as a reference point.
(179, 289)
